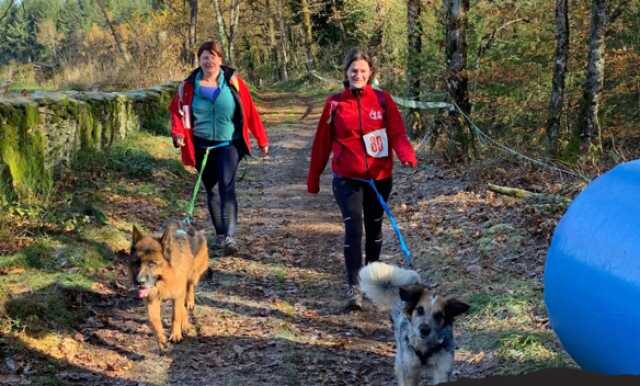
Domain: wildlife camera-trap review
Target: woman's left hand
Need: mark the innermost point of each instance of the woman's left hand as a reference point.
(407, 164)
(264, 150)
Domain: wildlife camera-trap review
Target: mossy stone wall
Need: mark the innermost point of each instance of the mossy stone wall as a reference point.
(40, 132)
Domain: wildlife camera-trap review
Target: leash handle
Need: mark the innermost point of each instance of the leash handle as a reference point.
(192, 203)
(408, 258)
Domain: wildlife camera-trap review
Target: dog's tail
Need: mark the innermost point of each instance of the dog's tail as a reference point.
(380, 282)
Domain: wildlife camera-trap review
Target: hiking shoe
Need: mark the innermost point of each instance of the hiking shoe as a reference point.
(218, 242)
(354, 299)
(229, 246)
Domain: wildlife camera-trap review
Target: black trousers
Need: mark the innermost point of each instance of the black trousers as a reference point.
(359, 204)
(220, 169)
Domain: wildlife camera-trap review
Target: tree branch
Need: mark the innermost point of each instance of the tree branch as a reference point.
(487, 39)
(6, 12)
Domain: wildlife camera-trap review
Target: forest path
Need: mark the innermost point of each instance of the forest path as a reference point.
(271, 314)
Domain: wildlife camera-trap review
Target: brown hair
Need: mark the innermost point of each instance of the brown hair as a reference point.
(212, 46)
(354, 54)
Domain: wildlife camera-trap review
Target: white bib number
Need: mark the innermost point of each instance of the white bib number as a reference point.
(376, 143)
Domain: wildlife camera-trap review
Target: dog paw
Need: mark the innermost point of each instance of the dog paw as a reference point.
(176, 337)
(191, 304)
(162, 344)
(189, 330)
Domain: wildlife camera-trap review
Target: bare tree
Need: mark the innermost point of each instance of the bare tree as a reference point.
(189, 55)
(284, 75)
(227, 31)
(376, 41)
(414, 36)
(114, 32)
(589, 130)
(460, 140)
(307, 33)
(556, 101)
(277, 21)
(413, 72)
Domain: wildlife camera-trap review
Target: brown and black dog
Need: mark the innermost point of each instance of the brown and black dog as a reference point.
(169, 267)
(422, 322)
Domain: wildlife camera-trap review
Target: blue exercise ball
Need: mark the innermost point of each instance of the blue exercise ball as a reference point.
(592, 274)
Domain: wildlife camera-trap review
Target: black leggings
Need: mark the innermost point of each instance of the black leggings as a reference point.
(220, 170)
(356, 198)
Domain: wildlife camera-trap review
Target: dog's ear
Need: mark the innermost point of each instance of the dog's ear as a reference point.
(454, 307)
(167, 241)
(411, 295)
(137, 235)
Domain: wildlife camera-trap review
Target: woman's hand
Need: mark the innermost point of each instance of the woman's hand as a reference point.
(178, 141)
(264, 150)
(408, 164)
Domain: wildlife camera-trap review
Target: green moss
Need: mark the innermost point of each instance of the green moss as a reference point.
(86, 121)
(22, 151)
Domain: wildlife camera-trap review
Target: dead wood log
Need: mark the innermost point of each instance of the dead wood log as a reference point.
(530, 197)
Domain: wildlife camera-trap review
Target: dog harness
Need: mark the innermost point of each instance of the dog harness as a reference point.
(424, 356)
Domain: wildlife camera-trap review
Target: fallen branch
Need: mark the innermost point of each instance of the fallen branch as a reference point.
(529, 196)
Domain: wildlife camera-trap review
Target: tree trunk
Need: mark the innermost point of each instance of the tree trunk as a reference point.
(376, 41)
(460, 141)
(307, 33)
(556, 101)
(233, 27)
(414, 36)
(275, 7)
(284, 75)
(414, 56)
(116, 36)
(273, 44)
(589, 130)
(222, 35)
(191, 38)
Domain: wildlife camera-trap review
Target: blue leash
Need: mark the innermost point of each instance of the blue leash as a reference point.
(408, 258)
(189, 218)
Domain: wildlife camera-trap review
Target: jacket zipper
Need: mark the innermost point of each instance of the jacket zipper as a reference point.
(364, 146)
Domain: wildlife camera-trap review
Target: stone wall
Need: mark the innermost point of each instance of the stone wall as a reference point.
(43, 130)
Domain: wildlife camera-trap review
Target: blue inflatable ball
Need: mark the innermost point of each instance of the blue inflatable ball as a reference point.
(592, 274)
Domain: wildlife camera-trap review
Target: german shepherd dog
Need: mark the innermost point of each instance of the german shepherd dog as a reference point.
(422, 322)
(168, 267)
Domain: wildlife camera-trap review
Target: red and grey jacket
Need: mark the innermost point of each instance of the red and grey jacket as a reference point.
(245, 118)
(345, 120)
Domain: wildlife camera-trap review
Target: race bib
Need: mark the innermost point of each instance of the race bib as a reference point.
(376, 143)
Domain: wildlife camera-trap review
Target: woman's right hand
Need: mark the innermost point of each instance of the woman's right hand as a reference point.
(178, 141)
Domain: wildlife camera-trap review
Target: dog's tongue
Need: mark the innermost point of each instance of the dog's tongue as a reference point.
(143, 292)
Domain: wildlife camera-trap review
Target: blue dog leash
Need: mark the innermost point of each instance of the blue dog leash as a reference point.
(408, 258)
(189, 218)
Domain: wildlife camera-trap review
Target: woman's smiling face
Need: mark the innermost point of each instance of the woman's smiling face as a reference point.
(210, 62)
(358, 73)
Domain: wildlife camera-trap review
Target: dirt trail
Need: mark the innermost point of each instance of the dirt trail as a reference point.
(271, 315)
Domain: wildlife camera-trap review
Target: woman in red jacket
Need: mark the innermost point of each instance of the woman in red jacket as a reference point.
(360, 126)
(213, 107)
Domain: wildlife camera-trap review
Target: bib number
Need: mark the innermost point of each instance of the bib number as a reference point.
(376, 143)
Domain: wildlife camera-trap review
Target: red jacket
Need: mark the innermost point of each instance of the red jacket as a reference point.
(345, 119)
(247, 119)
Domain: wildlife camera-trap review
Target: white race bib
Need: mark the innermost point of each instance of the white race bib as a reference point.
(376, 143)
